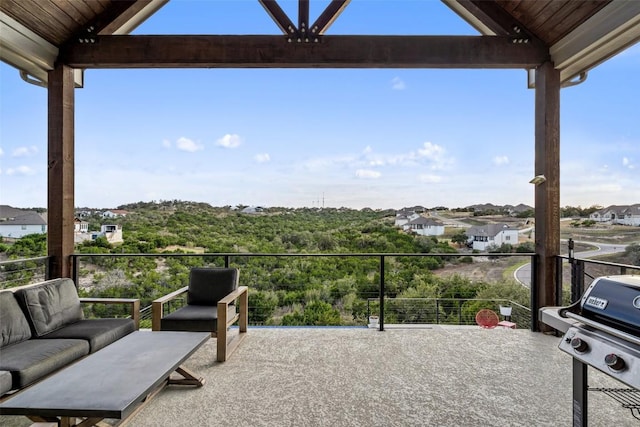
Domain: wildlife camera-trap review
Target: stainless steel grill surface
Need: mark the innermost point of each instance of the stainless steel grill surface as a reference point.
(601, 330)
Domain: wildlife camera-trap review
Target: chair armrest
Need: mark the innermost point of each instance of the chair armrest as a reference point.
(157, 306)
(233, 295)
(134, 302)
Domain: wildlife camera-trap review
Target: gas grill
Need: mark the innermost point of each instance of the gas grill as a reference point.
(601, 330)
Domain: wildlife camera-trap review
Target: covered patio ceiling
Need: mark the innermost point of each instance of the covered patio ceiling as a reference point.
(51, 42)
(576, 35)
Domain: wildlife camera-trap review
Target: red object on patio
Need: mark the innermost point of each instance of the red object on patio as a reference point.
(487, 318)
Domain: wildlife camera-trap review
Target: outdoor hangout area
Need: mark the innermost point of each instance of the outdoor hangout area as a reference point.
(412, 376)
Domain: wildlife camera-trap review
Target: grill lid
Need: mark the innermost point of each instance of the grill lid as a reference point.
(613, 301)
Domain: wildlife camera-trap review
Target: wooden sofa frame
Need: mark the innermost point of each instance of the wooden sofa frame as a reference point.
(226, 344)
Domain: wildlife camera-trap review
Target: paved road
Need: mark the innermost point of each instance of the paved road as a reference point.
(523, 274)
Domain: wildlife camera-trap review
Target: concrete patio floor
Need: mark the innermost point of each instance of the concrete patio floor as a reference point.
(435, 376)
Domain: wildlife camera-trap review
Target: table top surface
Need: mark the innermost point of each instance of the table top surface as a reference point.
(110, 382)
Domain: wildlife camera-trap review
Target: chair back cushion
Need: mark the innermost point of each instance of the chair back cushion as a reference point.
(50, 305)
(207, 286)
(14, 327)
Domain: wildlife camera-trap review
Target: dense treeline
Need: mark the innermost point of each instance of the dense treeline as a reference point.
(305, 289)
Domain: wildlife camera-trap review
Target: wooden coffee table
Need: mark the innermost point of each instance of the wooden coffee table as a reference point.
(111, 383)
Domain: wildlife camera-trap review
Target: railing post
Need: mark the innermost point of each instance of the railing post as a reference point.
(577, 280)
(226, 261)
(437, 311)
(47, 268)
(534, 293)
(381, 321)
(459, 313)
(75, 274)
(559, 280)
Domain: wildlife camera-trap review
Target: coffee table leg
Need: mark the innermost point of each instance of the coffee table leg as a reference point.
(189, 378)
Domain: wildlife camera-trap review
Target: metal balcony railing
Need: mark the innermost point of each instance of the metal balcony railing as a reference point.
(17, 272)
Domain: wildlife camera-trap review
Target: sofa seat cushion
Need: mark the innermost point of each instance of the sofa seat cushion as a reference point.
(98, 332)
(30, 360)
(194, 318)
(5, 382)
(14, 327)
(50, 305)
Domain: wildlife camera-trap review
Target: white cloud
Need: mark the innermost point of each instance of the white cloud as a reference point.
(430, 179)
(368, 174)
(398, 84)
(627, 163)
(262, 157)
(501, 160)
(1, 151)
(186, 144)
(21, 170)
(166, 143)
(229, 141)
(25, 151)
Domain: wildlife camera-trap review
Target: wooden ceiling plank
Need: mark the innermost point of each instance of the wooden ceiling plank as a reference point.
(279, 17)
(328, 16)
(568, 18)
(332, 52)
(60, 17)
(494, 16)
(78, 9)
(29, 14)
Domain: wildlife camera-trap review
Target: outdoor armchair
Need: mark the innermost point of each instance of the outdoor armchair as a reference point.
(214, 302)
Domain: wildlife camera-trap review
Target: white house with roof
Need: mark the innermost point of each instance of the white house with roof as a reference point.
(404, 216)
(481, 237)
(631, 215)
(16, 223)
(618, 214)
(424, 226)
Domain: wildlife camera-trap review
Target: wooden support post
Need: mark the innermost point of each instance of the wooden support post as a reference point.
(547, 193)
(60, 199)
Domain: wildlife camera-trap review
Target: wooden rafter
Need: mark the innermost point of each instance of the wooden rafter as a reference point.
(328, 16)
(279, 17)
(330, 52)
(303, 18)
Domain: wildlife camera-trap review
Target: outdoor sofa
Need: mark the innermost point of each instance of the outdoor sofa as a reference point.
(43, 329)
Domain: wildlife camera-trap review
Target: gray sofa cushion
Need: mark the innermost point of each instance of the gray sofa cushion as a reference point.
(14, 327)
(5, 382)
(30, 360)
(207, 286)
(98, 332)
(50, 305)
(194, 318)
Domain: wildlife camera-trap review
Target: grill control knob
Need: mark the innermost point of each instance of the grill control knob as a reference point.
(614, 362)
(578, 345)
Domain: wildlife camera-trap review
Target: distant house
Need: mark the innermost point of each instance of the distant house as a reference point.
(111, 232)
(114, 213)
(618, 214)
(403, 217)
(481, 237)
(632, 215)
(252, 209)
(16, 223)
(425, 226)
(80, 226)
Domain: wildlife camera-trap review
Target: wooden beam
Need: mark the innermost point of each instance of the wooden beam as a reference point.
(547, 193)
(194, 51)
(279, 17)
(60, 198)
(328, 16)
(303, 18)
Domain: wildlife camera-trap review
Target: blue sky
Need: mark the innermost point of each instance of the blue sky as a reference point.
(355, 138)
